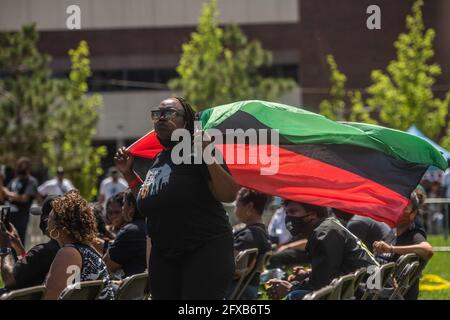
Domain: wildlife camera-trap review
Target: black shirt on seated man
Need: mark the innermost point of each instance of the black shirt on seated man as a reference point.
(334, 251)
(366, 229)
(127, 252)
(32, 267)
(249, 209)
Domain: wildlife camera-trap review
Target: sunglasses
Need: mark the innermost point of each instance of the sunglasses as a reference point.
(166, 114)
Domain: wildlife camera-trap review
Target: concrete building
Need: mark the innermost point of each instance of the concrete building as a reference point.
(136, 44)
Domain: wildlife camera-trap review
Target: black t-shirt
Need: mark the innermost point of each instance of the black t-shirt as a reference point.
(412, 236)
(129, 247)
(253, 236)
(182, 214)
(369, 230)
(334, 251)
(32, 269)
(22, 186)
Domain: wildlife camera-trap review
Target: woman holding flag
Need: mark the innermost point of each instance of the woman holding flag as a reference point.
(192, 245)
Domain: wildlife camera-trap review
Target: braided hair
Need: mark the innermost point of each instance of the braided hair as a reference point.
(189, 114)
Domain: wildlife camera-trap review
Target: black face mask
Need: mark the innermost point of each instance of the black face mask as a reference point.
(296, 225)
(22, 172)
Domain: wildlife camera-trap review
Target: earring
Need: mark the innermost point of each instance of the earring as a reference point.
(54, 236)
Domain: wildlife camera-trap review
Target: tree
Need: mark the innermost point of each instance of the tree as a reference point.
(50, 120)
(344, 105)
(334, 109)
(72, 127)
(220, 65)
(403, 95)
(26, 93)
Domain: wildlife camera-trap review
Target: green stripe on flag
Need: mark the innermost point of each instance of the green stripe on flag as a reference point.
(299, 126)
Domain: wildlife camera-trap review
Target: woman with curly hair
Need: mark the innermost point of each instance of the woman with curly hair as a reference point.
(72, 224)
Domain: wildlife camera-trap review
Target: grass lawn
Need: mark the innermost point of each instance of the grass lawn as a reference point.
(439, 265)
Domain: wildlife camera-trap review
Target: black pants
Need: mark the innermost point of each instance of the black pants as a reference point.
(20, 222)
(204, 274)
(287, 258)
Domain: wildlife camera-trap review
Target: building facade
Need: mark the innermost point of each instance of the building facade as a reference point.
(136, 44)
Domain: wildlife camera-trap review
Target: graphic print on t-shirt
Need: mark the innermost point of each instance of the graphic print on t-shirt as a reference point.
(156, 179)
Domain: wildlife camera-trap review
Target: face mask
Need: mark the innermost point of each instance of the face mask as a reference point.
(22, 172)
(296, 225)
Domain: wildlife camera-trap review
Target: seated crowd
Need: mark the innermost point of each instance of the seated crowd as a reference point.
(80, 241)
(320, 244)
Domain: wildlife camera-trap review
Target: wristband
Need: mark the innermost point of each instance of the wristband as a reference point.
(133, 184)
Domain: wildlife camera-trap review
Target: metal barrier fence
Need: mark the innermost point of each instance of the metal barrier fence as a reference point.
(35, 235)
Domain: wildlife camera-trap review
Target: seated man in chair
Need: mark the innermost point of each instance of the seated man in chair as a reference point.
(333, 250)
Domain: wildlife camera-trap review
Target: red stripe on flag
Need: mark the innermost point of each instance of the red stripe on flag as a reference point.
(303, 179)
(147, 147)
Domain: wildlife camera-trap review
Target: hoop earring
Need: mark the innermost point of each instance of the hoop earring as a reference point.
(53, 236)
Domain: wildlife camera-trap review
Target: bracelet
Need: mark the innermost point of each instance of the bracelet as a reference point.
(133, 184)
(392, 249)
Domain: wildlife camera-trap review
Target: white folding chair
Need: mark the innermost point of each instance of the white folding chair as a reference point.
(133, 287)
(85, 290)
(322, 294)
(245, 263)
(32, 293)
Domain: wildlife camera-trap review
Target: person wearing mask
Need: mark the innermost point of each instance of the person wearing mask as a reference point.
(31, 268)
(127, 252)
(333, 250)
(290, 251)
(73, 225)
(20, 193)
(192, 254)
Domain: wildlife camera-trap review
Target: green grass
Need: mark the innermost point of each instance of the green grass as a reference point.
(438, 265)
